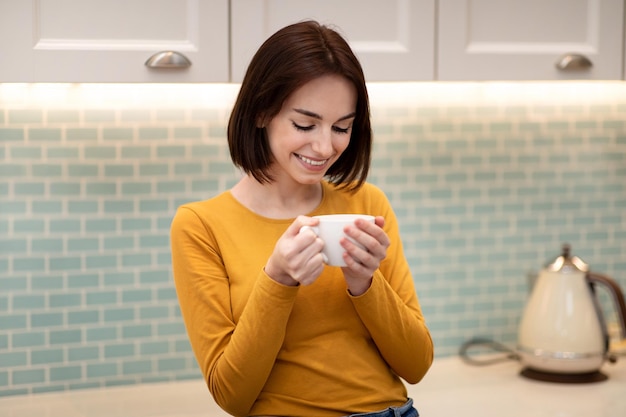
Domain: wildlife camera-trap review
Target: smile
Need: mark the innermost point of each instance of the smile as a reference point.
(311, 161)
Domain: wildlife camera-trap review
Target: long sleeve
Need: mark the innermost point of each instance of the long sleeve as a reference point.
(234, 376)
(269, 349)
(398, 330)
(391, 312)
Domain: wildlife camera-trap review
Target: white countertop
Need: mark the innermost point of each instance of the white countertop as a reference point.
(451, 388)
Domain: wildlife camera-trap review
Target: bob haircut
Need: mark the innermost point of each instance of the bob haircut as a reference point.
(287, 60)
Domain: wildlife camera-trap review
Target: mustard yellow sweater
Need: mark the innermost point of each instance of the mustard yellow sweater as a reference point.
(269, 349)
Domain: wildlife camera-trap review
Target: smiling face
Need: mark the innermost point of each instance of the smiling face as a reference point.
(312, 129)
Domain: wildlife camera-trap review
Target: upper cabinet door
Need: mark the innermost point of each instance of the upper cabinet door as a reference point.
(394, 40)
(110, 41)
(530, 39)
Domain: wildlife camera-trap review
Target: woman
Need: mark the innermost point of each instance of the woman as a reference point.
(276, 332)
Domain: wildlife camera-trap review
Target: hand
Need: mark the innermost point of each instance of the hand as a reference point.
(361, 263)
(297, 257)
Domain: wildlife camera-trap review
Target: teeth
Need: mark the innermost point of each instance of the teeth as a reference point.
(312, 162)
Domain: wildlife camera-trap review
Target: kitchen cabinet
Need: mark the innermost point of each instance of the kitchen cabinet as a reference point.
(97, 41)
(109, 41)
(523, 40)
(394, 40)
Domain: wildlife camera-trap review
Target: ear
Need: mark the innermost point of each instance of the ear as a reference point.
(261, 121)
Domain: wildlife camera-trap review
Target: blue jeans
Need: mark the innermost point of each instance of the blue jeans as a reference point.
(405, 410)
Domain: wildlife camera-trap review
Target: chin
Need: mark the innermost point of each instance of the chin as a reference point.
(310, 180)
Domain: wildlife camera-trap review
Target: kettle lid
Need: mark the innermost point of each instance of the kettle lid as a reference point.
(567, 263)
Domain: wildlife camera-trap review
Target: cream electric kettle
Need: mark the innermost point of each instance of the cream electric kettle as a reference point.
(563, 335)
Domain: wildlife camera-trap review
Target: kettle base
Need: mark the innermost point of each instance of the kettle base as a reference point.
(585, 378)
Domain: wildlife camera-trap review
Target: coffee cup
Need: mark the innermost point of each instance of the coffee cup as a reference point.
(330, 230)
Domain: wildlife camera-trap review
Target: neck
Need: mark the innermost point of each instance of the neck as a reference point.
(277, 200)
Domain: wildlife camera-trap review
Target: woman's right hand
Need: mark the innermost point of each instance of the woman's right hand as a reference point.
(297, 257)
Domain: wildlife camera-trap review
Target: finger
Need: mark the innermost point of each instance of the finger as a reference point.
(359, 254)
(307, 236)
(311, 271)
(358, 266)
(368, 242)
(379, 221)
(313, 248)
(299, 223)
(376, 231)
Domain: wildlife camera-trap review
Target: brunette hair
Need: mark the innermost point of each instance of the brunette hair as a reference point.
(287, 60)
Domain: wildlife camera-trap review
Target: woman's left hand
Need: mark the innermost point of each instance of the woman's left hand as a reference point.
(362, 262)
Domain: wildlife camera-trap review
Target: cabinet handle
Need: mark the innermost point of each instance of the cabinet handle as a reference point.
(168, 59)
(573, 62)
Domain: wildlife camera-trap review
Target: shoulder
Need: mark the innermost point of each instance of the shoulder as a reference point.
(371, 190)
(369, 198)
(205, 210)
(366, 191)
(220, 200)
(365, 187)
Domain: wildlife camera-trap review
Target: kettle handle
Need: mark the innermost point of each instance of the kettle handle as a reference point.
(616, 292)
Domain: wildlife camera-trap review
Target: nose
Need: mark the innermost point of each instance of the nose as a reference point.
(323, 143)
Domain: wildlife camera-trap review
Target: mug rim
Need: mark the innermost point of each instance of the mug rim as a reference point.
(344, 216)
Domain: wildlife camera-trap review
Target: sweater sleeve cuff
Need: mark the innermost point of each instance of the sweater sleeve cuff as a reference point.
(267, 285)
(373, 289)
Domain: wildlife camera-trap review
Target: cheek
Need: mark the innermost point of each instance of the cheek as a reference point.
(341, 143)
(278, 137)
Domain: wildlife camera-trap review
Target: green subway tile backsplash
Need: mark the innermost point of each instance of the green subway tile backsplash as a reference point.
(153, 133)
(101, 370)
(83, 353)
(50, 135)
(25, 152)
(188, 132)
(101, 334)
(81, 134)
(8, 134)
(64, 337)
(65, 373)
(135, 115)
(47, 207)
(65, 188)
(29, 376)
(46, 356)
(485, 192)
(26, 116)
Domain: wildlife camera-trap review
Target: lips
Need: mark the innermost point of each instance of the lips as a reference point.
(312, 162)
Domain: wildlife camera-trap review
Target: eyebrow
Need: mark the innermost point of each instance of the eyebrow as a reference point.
(317, 116)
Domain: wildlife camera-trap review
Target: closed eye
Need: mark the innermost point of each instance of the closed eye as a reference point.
(340, 130)
(307, 128)
(302, 128)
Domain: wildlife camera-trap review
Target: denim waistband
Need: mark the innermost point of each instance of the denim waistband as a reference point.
(405, 410)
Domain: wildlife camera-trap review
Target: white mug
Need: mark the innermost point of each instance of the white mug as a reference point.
(330, 230)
